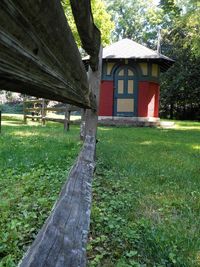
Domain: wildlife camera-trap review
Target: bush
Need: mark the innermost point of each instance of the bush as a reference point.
(12, 108)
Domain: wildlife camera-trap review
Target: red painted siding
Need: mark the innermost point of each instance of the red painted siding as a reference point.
(148, 99)
(106, 98)
(157, 100)
(143, 99)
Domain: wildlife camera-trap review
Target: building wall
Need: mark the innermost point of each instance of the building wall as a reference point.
(106, 98)
(148, 99)
(129, 89)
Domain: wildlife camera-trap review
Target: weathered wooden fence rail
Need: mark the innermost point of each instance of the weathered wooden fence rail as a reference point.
(0, 121)
(40, 111)
(62, 240)
(39, 57)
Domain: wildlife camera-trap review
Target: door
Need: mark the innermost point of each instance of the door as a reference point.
(125, 92)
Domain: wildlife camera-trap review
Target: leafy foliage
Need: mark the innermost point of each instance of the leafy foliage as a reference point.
(179, 24)
(136, 20)
(101, 18)
(180, 93)
(12, 107)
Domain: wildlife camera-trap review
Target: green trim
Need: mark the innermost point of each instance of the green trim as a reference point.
(125, 95)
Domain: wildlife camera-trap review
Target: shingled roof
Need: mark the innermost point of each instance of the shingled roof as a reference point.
(128, 49)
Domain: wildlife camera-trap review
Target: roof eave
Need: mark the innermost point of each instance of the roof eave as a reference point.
(164, 62)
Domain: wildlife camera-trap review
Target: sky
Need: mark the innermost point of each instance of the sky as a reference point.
(156, 2)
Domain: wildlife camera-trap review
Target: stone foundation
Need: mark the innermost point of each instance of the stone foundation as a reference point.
(129, 121)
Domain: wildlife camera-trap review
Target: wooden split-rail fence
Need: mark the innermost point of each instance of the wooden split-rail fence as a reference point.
(39, 57)
(37, 109)
(0, 121)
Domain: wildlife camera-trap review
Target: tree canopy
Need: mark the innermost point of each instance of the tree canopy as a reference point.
(178, 21)
(135, 19)
(102, 20)
(180, 89)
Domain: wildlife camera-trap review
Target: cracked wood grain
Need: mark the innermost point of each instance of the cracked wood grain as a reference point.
(63, 238)
(38, 54)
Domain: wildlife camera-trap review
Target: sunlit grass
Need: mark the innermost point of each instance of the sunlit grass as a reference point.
(196, 147)
(34, 164)
(146, 192)
(146, 143)
(187, 125)
(147, 197)
(17, 119)
(182, 128)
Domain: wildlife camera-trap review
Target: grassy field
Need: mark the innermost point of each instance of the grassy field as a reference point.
(146, 192)
(146, 206)
(34, 162)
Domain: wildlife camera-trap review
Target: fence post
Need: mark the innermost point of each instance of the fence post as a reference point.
(67, 118)
(0, 121)
(43, 112)
(24, 110)
(63, 238)
(82, 126)
(91, 120)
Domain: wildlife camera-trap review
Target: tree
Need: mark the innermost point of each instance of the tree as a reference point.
(102, 20)
(179, 24)
(191, 24)
(184, 15)
(135, 19)
(180, 89)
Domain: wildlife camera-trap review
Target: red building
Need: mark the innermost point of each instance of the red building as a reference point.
(130, 82)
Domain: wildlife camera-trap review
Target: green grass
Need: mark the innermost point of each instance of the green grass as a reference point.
(146, 204)
(146, 191)
(34, 163)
